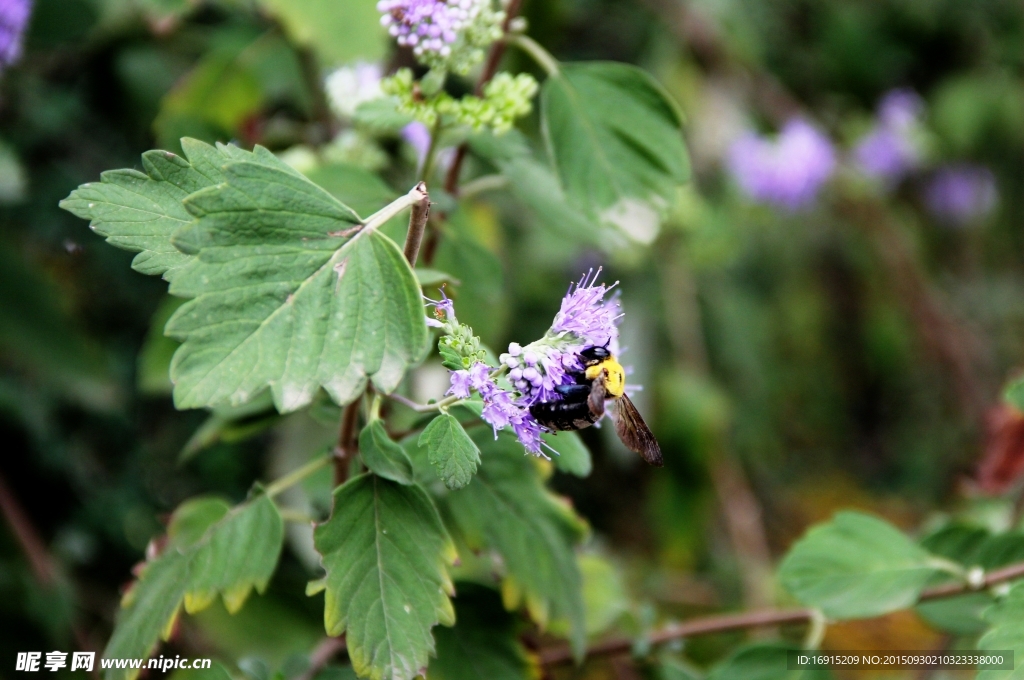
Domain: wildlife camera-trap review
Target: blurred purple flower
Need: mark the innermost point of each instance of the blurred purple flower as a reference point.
(13, 18)
(787, 171)
(959, 194)
(426, 25)
(418, 137)
(889, 151)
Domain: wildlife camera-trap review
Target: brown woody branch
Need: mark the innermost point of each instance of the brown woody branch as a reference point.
(721, 623)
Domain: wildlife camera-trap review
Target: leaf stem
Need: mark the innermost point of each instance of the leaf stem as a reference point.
(416, 194)
(482, 184)
(540, 55)
(417, 224)
(425, 408)
(296, 476)
(720, 623)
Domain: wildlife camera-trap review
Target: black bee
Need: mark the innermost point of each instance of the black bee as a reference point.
(582, 404)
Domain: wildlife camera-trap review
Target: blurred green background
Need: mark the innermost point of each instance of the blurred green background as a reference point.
(850, 354)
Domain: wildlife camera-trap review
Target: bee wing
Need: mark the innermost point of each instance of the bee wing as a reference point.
(634, 433)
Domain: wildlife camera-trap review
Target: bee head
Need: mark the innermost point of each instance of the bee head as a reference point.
(592, 356)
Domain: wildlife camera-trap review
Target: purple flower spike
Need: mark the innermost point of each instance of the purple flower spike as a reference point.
(14, 16)
(788, 171)
(960, 194)
(585, 312)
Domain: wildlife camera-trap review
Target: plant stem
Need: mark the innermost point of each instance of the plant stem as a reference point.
(296, 476)
(416, 194)
(347, 446)
(417, 224)
(425, 408)
(451, 183)
(771, 617)
(540, 55)
(482, 184)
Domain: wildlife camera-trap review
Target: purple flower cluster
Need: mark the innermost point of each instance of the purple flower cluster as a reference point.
(890, 151)
(585, 319)
(787, 171)
(13, 18)
(500, 408)
(960, 194)
(427, 26)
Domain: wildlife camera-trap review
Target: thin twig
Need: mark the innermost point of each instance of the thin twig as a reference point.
(417, 225)
(322, 655)
(348, 445)
(451, 183)
(27, 536)
(721, 623)
(425, 408)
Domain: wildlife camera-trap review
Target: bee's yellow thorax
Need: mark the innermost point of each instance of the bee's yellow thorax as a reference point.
(615, 380)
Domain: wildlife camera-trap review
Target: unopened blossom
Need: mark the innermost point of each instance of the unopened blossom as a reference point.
(960, 194)
(448, 34)
(349, 86)
(14, 16)
(892, 148)
(787, 171)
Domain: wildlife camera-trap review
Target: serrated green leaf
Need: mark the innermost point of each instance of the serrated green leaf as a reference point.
(483, 644)
(150, 609)
(139, 211)
(212, 548)
(385, 551)
(240, 554)
(764, 661)
(285, 294)
(856, 566)
(573, 456)
(614, 136)
(382, 456)
(450, 450)
(960, 615)
(507, 509)
(1007, 632)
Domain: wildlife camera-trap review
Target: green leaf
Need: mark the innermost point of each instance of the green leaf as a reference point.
(764, 661)
(483, 644)
(150, 608)
(385, 551)
(339, 31)
(573, 456)
(450, 450)
(537, 187)
(212, 548)
(506, 508)
(856, 566)
(382, 456)
(604, 595)
(285, 294)
(139, 211)
(960, 615)
(1006, 632)
(239, 555)
(614, 137)
(1014, 393)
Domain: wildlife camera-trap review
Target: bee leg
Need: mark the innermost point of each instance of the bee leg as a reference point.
(597, 396)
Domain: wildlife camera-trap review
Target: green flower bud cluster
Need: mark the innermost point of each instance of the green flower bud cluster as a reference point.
(458, 346)
(505, 99)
